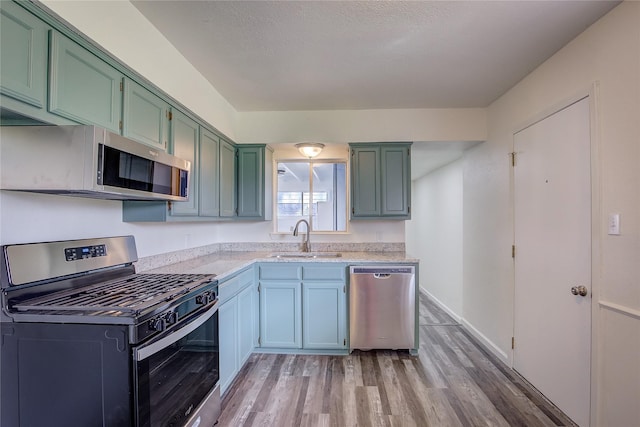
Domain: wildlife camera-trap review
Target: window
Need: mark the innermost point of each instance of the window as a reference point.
(314, 190)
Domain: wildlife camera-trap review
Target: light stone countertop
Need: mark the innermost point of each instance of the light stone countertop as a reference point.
(226, 263)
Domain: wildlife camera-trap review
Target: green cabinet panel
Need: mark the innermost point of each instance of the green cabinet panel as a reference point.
(250, 181)
(23, 55)
(185, 137)
(381, 180)
(227, 179)
(396, 180)
(228, 336)
(247, 322)
(82, 87)
(365, 181)
(209, 178)
(324, 315)
(238, 323)
(145, 116)
(280, 314)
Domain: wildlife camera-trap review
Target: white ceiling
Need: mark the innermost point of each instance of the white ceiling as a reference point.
(319, 55)
(333, 55)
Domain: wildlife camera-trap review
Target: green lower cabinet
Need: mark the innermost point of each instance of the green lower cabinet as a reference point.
(228, 336)
(303, 306)
(238, 324)
(280, 314)
(247, 323)
(324, 315)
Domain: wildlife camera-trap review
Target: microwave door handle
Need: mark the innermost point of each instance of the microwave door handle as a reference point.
(148, 350)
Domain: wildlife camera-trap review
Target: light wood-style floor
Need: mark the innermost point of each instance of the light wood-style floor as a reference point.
(452, 382)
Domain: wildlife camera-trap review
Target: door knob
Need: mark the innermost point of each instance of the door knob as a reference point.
(579, 290)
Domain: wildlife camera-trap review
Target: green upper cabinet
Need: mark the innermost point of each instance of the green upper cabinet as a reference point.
(82, 87)
(185, 140)
(145, 116)
(23, 55)
(365, 181)
(395, 182)
(227, 179)
(209, 174)
(381, 180)
(254, 178)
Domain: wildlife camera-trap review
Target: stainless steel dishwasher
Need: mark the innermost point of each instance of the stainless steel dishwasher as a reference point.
(382, 307)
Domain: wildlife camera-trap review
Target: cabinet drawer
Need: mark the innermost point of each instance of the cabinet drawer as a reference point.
(231, 287)
(324, 272)
(280, 272)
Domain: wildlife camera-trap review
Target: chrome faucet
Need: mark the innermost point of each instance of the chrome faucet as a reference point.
(306, 244)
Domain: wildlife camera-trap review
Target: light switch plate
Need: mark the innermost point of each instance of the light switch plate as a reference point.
(614, 224)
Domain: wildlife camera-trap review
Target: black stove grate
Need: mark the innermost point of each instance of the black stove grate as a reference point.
(125, 296)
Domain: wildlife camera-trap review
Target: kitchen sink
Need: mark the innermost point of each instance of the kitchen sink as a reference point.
(307, 255)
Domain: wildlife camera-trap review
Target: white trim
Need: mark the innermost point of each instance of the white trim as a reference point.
(493, 348)
(441, 305)
(627, 311)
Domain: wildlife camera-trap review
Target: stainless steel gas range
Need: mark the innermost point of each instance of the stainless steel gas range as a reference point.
(87, 341)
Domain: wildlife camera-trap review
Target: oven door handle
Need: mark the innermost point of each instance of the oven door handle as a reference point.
(150, 349)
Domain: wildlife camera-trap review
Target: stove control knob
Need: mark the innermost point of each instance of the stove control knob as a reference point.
(203, 298)
(171, 318)
(157, 324)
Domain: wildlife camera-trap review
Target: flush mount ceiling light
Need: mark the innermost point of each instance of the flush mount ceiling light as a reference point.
(310, 149)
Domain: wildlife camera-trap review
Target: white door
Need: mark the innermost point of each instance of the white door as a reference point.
(552, 197)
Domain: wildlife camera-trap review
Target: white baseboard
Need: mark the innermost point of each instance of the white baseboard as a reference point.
(486, 342)
(440, 304)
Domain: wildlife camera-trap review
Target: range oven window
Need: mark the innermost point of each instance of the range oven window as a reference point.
(172, 382)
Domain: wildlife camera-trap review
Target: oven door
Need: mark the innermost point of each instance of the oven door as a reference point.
(176, 376)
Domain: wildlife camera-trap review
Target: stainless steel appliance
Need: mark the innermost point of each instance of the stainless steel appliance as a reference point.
(382, 307)
(89, 161)
(88, 342)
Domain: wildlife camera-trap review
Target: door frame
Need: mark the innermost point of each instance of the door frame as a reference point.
(597, 227)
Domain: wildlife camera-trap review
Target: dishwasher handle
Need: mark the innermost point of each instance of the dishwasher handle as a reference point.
(381, 275)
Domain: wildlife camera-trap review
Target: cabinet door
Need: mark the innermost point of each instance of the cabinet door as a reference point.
(247, 319)
(23, 55)
(396, 179)
(324, 311)
(82, 87)
(250, 182)
(365, 181)
(280, 315)
(209, 169)
(185, 134)
(228, 335)
(145, 116)
(227, 179)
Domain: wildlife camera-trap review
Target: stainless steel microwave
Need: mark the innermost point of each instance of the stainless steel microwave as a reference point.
(89, 161)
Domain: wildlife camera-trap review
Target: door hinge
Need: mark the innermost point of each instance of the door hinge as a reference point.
(344, 342)
(344, 289)
(169, 206)
(169, 115)
(121, 87)
(259, 342)
(513, 158)
(353, 211)
(513, 251)
(408, 209)
(120, 124)
(513, 343)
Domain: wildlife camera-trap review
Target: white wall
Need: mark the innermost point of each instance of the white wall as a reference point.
(608, 53)
(434, 235)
